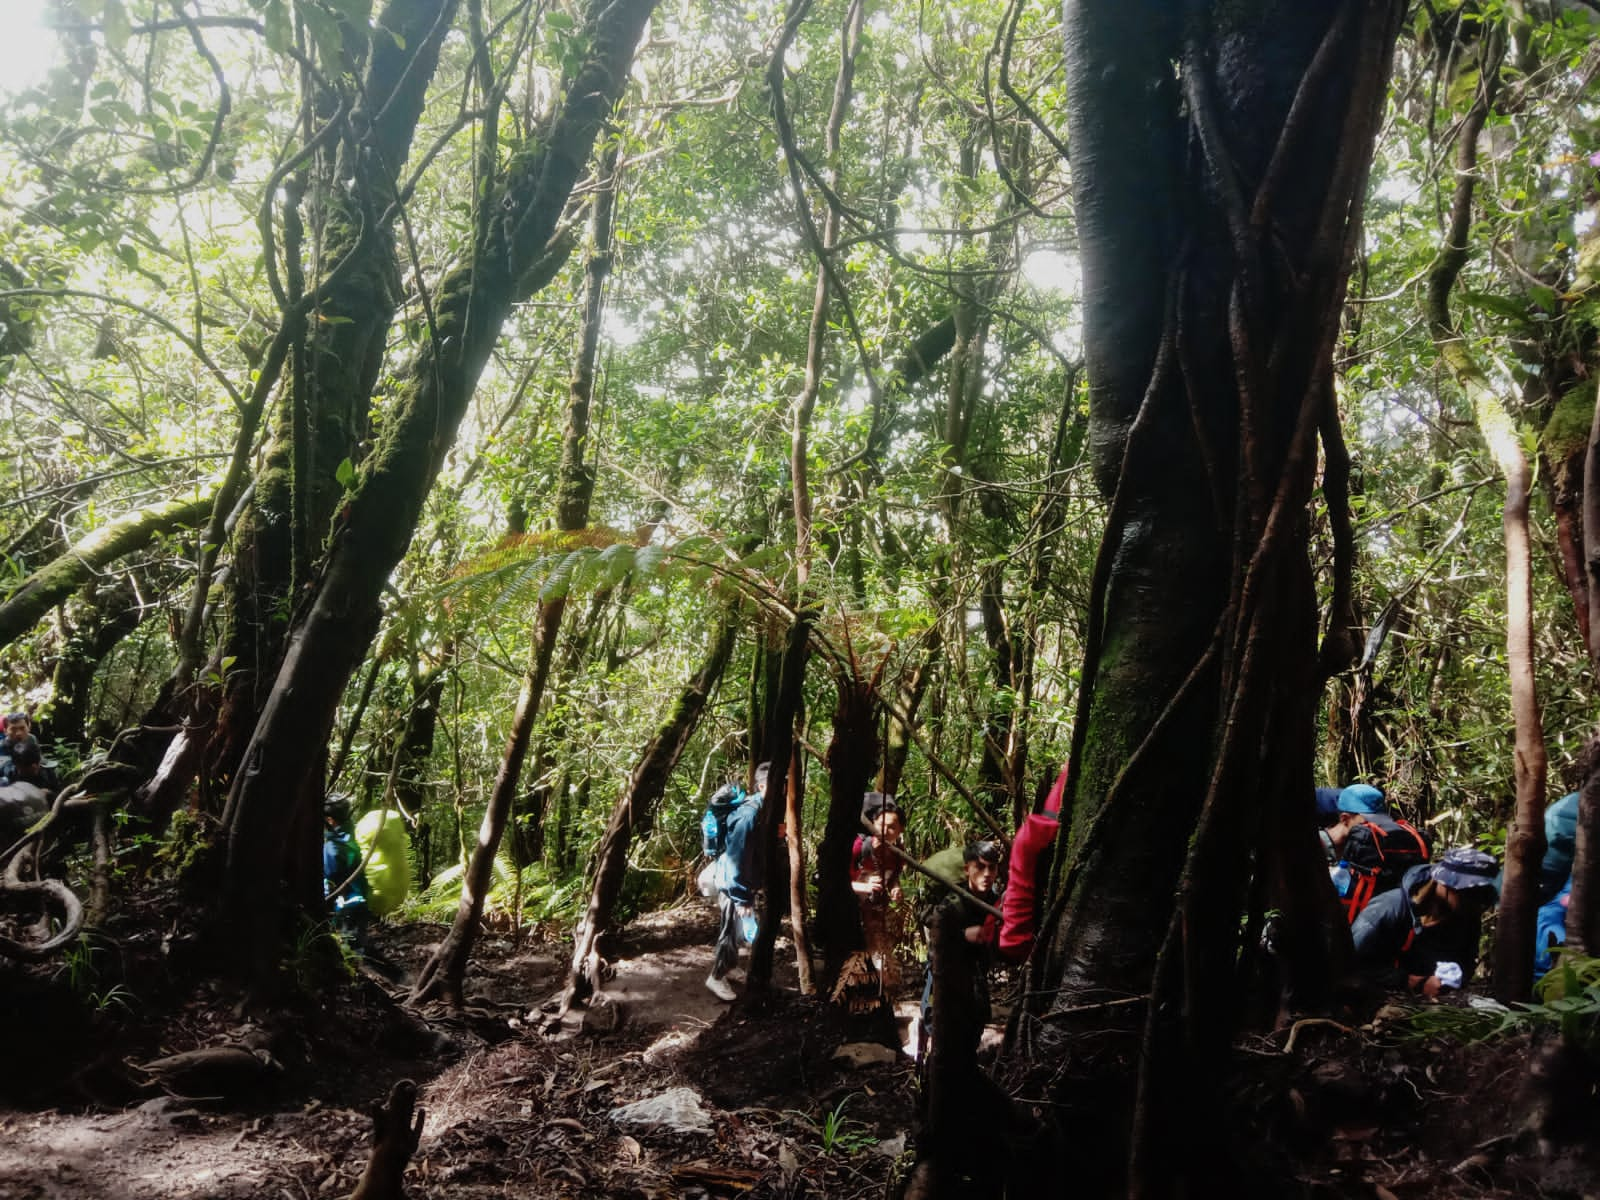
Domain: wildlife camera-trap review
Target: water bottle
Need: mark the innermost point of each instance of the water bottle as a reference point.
(1341, 878)
(748, 928)
(708, 834)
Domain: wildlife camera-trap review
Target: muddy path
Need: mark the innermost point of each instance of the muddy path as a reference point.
(773, 1104)
(513, 1107)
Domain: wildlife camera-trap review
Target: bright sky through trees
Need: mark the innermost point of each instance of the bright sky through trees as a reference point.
(28, 47)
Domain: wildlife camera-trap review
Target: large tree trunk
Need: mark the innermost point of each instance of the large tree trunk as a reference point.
(334, 356)
(635, 812)
(1215, 206)
(1525, 843)
(780, 746)
(376, 525)
(850, 765)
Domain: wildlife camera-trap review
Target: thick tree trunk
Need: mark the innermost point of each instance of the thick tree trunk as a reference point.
(1215, 205)
(787, 702)
(635, 812)
(1583, 915)
(56, 581)
(377, 524)
(334, 356)
(850, 765)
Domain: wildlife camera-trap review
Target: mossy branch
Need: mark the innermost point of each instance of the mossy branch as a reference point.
(54, 582)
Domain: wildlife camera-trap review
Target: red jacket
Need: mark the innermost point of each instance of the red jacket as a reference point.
(1024, 893)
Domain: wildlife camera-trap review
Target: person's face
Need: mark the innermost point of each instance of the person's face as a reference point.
(891, 826)
(981, 876)
(17, 731)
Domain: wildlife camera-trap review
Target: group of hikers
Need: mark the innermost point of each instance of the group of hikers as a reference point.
(1415, 920)
(27, 781)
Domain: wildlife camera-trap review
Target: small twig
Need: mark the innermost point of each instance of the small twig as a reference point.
(1312, 1023)
(1076, 1009)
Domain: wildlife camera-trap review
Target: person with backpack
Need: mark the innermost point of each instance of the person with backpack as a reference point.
(978, 931)
(1423, 935)
(1368, 850)
(735, 874)
(875, 878)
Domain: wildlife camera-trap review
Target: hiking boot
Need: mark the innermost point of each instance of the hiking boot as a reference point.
(721, 989)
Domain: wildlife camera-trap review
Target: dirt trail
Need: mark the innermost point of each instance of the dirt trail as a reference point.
(510, 1110)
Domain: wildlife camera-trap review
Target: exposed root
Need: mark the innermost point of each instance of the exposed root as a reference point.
(395, 1134)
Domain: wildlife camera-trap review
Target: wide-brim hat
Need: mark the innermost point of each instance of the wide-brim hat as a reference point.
(1465, 868)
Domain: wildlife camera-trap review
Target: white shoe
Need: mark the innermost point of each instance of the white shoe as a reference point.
(721, 989)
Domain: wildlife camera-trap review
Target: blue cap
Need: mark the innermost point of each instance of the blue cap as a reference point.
(1361, 798)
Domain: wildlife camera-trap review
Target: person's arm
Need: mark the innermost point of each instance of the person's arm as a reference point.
(1379, 934)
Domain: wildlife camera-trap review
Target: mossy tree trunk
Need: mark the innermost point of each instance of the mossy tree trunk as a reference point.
(1220, 157)
(517, 220)
(339, 213)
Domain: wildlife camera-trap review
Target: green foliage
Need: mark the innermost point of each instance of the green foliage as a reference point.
(1568, 1003)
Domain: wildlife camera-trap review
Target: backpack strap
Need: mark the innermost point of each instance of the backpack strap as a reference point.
(1363, 883)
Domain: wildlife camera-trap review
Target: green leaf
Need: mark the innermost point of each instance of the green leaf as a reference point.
(279, 29)
(118, 29)
(346, 474)
(326, 33)
(1502, 306)
(129, 256)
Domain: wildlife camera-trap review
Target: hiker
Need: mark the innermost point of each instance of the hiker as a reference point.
(1369, 851)
(1350, 807)
(736, 876)
(343, 884)
(27, 765)
(1423, 935)
(980, 863)
(24, 796)
(875, 878)
(1027, 874)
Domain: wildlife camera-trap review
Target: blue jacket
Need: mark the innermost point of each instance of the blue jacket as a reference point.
(1561, 845)
(740, 865)
(1551, 930)
(1392, 943)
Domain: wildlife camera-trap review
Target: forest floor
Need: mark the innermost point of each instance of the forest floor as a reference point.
(515, 1107)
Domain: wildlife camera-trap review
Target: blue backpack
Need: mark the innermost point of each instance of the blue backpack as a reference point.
(714, 821)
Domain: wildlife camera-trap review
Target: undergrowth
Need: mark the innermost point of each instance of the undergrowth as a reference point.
(1567, 1002)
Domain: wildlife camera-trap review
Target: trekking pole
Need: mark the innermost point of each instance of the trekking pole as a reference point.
(923, 871)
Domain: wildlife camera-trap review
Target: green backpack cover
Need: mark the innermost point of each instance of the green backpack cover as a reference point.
(389, 868)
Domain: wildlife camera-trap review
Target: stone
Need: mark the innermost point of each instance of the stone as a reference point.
(677, 1110)
(865, 1054)
(603, 1016)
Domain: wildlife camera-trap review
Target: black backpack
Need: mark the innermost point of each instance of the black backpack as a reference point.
(1378, 853)
(714, 821)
